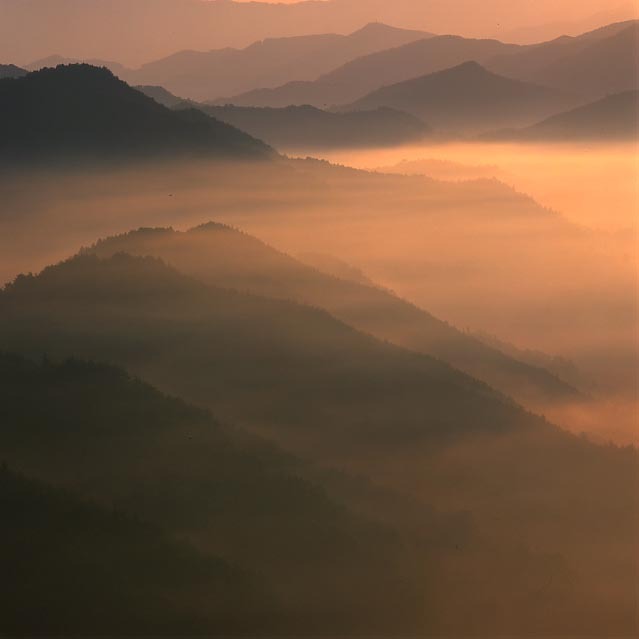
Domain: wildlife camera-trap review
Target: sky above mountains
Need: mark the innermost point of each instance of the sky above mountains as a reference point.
(136, 32)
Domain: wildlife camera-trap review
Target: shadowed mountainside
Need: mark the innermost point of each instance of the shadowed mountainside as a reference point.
(144, 312)
(466, 99)
(349, 401)
(115, 440)
(83, 111)
(73, 566)
(221, 256)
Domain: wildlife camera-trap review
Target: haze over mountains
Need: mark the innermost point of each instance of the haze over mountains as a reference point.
(615, 117)
(598, 62)
(367, 73)
(134, 33)
(545, 79)
(373, 408)
(466, 99)
(559, 64)
(267, 63)
(222, 256)
(423, 425)
(306, 127)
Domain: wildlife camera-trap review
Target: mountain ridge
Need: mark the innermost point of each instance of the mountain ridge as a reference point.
(89, 112)
(467, 98)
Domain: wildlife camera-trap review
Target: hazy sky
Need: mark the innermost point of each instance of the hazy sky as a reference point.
(136, 31)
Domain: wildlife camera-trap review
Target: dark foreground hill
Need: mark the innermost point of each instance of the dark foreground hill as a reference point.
(613, 118)
(72, 566)
(308, 127)
(83, 111)
(221, 256)
(467, 98)
(91, 429)
(346, 400)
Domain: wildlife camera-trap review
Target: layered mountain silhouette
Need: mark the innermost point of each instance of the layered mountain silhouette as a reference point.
(224, 257)
(228, 342)
(266, 63)
(156, 30)
(609, 53)
(367, 73)
(466, 98)
(615, 118)
(346, 400)
(308, 127)
(602, 61)
(11, 71)
(83, 111)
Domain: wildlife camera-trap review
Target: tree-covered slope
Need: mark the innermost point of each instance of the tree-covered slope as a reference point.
(221, 256)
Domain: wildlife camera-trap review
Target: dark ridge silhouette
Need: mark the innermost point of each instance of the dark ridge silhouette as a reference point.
(347, 401)
(467, 99)
(308, 127)
(268, 330)
(70, 565)
(11, 71)
(613, 118)
(266, 63)
(365, 74)
(221, 256)
(82, 111)
(591, 65)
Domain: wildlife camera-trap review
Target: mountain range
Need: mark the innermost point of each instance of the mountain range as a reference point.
(221, 256)
(266, 63)
(134, 33)
(591, 65)
(358, 77)
(466, 99)
(343, 400)
(559, 64)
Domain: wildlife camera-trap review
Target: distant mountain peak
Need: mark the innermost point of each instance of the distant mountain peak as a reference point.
(377, 28)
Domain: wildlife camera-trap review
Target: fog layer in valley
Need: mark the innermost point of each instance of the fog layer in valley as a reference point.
(540, 261)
